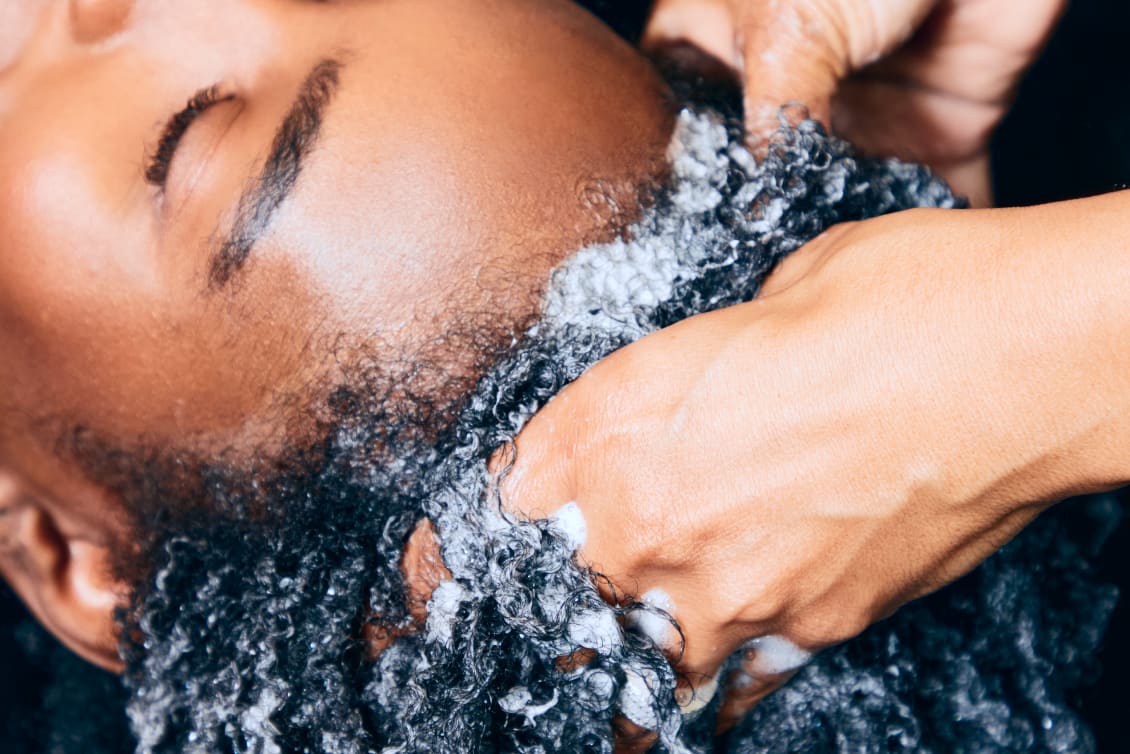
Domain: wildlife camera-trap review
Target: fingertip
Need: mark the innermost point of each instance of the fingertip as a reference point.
(705, 24)
(692, 698)
(785, 70)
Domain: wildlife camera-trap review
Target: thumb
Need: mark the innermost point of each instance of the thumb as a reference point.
(535, 472)
(807, 259)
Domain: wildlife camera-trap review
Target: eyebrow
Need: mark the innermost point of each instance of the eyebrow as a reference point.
(293, 142)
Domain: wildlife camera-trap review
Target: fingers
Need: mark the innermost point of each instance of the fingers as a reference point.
(707, 24)
(793, 54)
(786, 53)
(755, 678)
(767, 664)
(535, 471)
(631, 738)
(424, 570)
(744, 691)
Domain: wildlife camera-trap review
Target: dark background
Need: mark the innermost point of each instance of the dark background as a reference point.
(1066, 138)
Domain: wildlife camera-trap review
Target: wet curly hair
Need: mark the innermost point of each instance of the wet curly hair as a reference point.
(245, 634)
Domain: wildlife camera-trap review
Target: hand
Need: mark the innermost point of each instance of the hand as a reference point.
(905, 396)
(923, 80)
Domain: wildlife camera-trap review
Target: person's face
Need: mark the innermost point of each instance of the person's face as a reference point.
(440, 157)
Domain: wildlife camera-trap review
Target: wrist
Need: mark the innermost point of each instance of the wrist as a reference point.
(1078, 260)
(1036, 353)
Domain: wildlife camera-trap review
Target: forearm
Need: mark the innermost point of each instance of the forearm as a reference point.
(1071, 278)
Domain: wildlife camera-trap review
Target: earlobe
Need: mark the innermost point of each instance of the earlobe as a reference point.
(64, 581)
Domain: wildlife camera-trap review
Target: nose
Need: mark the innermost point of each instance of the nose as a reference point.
(95, 20)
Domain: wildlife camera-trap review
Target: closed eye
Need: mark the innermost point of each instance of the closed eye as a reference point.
(157, 168)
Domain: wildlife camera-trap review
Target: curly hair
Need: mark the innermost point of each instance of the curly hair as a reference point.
(246, 636)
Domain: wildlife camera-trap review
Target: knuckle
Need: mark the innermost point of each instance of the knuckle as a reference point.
(829, 629)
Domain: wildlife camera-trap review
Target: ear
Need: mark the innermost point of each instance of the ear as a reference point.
(64, 579)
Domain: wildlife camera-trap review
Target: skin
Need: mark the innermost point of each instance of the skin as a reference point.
(906, 394)
(924, 80)
(444, 185)
(107, 310)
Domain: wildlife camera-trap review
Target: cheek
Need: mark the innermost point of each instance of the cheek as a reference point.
(62, 230)
(170, 367)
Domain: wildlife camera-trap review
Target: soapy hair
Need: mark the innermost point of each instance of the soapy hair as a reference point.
(247, 635)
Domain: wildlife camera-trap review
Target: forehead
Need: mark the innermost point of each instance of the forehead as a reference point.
(455, 169)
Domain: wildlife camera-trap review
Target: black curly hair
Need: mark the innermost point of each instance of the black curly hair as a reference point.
(244, 633)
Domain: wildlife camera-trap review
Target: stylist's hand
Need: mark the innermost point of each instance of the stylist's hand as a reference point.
(906, 395)
(925, 80)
